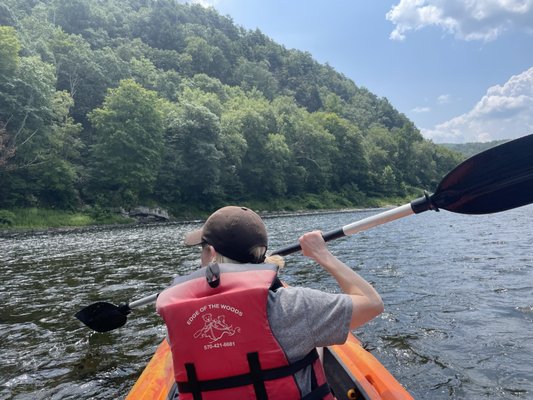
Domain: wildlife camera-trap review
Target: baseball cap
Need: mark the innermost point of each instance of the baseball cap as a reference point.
(234, 232)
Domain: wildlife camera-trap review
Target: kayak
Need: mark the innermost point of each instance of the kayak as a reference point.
(352, 373)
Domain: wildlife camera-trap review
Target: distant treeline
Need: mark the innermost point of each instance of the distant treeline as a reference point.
(472, 148)
(119, 103)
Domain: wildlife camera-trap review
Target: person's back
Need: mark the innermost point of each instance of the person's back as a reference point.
(236, 333)
(230, 347)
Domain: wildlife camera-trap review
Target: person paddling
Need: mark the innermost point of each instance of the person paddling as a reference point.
(236, 333)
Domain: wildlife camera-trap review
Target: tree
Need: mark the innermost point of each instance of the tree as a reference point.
(144, 72)
(9, 62)
(83, 72)
(6, 16)
(288, 116)
(38, 140)
(349, 160)
(254, 118)
(199, 134)
(25, 112)
(406, 137)
(382, 151)
(278, 154)
(300, 76)
(72, 15)
(206, 58)
(257, 75)
(424, 167)
(129, 139)
(191, 168)
(54, 180)
(9, 50)
(234, 147)
(314, 148)
(388, 181)
(161, 25)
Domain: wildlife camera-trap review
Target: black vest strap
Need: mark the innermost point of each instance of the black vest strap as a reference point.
(318, 393)
(256, 377)
(276, 284)
(194, 382)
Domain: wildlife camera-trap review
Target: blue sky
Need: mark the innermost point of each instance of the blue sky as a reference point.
(462, 71)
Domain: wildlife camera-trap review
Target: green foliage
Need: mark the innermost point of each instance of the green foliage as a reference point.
(129, 140)
(256, 75)
(49, 218)
(118, 103)
(191, 164)
(7, 218)
(38, 139)
(9, 49)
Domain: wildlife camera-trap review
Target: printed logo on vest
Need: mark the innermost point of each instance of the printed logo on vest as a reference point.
(215, 327)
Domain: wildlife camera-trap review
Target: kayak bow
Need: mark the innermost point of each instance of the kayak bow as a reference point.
(352, 373)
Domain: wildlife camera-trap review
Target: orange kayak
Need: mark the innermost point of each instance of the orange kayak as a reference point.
(352, 373)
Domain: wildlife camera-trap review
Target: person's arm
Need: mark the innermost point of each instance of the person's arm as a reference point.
(366, 301)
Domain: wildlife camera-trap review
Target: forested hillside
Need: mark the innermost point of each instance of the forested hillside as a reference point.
(127, 102)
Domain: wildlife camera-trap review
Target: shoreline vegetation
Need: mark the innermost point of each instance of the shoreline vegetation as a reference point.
(173, 105)
(40, 220)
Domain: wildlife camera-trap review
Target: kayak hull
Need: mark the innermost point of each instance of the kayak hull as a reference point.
(351, 371)
(157, 379)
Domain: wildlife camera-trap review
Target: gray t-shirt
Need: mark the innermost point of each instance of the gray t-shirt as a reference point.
(302, 319)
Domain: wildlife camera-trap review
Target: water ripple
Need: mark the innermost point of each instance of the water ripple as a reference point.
(457, 291)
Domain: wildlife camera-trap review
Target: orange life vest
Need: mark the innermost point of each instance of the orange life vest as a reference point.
(221, 341)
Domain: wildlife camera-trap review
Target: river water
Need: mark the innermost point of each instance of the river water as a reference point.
(458, 293)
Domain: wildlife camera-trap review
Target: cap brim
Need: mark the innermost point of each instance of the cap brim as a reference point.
(193, 238)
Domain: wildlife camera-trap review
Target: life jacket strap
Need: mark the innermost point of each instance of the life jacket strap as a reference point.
(256, 377)
(319, 393)
(195, 383)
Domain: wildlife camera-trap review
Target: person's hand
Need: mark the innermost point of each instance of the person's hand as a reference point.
(366, 301)
(314, 246)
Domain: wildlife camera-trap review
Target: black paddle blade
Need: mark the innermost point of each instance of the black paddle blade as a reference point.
(498, 179)
(103, 317)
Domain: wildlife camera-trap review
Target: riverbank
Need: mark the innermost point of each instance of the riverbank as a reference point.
(24, 231)
(28, 218)
(39, 220)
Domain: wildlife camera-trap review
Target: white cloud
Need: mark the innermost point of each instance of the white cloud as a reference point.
(468, 20)
(504, 112)
(419, 110)
(444, 99)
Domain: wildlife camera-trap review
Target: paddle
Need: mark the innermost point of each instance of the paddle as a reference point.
(104, 317)
(495, 180)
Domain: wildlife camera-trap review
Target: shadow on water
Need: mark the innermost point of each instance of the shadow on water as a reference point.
(458, 295)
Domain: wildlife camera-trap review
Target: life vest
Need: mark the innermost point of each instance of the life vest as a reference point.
(221, 341)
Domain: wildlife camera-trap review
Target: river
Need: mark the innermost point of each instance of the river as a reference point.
(458, 293)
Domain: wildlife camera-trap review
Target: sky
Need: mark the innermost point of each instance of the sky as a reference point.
(461, 70)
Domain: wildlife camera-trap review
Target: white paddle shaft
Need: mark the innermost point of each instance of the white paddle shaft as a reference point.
(143, 301)
(375, 220)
